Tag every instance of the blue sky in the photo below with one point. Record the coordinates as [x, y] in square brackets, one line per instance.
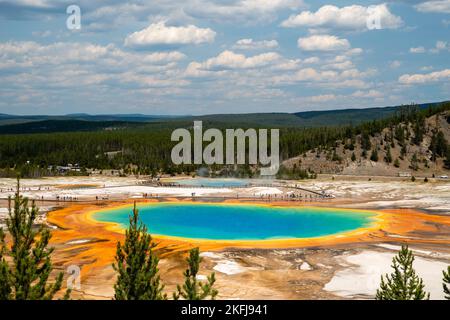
[228, 56]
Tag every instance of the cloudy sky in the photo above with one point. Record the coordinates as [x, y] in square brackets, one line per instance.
[227, 56]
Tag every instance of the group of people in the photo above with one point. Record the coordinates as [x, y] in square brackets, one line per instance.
[24, 189]
[291, 196]
[65, 198]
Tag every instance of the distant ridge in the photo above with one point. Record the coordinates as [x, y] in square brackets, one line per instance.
[274, 119]
[308, 118]
[51, 126]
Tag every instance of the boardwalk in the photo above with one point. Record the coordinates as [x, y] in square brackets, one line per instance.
[290, 192]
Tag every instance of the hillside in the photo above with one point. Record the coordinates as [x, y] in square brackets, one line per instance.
[306, 119]
[145, 148]
[416, 148]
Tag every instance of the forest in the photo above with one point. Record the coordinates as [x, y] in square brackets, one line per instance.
[147, 149]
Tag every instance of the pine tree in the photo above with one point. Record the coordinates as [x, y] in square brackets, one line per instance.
[446, 283]
[335, 157]
[447, 160]
[364, 154]
[438, 145]
[137, 264]
[397, 163]
[374, 155]
[414, 162]
[27, 274]
[5, 276]
[365, 141]
[403, 283]
[388, 157]
[419, 127]
[403, 152]
[400, 134]
[353, 157]
[193, 289]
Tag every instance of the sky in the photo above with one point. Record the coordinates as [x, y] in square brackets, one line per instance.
[167, 57]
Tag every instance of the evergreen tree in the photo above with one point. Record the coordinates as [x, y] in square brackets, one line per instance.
[414, 162]
[193, 289]
[403, 283]
[365, 141]
[438, 145]
[396, 163]
[335, 157]
[137, 264]
[400, 134]
[353, 157]
[27, 273]
[403, 152]
[419, 128]
[364, 154]
[388, 157]
[446, 283]
[5, 277]
[447, 160]
[374, 155]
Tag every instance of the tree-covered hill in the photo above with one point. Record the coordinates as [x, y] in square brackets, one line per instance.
[146, 148]
[416, 144]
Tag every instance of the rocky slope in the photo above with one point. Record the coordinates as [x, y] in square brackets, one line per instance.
[407, 157]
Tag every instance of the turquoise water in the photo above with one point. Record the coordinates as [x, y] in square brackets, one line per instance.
[209, 182]
[239, 222]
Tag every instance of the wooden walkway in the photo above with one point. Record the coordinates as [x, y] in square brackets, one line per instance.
[267, 197]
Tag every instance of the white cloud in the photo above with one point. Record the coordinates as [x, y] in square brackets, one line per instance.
[160, 34]
[425, 78]
[351, 78]
[321, 98]
[344, 65]
[77, 52]
[438, 6]
[354, 51]
[353, 17]
[31, 3]
[311, 60]
[230, 60]
[351, 83]
[323, 43]
[73, 65]
[440, 46]
[329, 72]
[242, 6]
[86, 74]
[240, 10]
[417, 50]
[250, 44]
[99, 15]
[371, 94]
[395, 64]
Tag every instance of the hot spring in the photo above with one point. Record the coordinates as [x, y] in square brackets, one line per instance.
[239, 221]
